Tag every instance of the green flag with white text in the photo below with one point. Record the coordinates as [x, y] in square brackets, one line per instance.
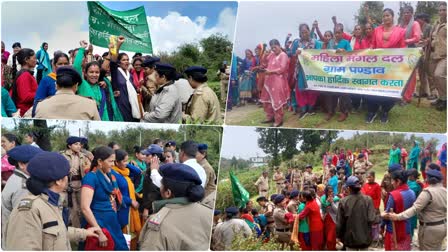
[240, 194]
[132, 24]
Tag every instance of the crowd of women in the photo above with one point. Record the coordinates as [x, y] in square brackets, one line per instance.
[342, 209]
[139, 89]
[274, 77]
[110, 199]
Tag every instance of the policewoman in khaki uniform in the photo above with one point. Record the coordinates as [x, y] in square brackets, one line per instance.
[165, 105]
[232, 228]
[38, 223]
[179, 222]
[65, 104]
[279, 180]
[282, 227]
[15, 187]
[262, 184]
[79, 163]
[430, 207]
[203, 106]
[201, 157]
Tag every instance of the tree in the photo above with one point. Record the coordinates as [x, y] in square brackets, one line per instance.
[313, 139]
[268, 141]
[279, 143]
[431, 8]
[375, 12]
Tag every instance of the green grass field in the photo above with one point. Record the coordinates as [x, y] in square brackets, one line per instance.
[409, 118]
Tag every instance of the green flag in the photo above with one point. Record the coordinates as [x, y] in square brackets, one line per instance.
[240, 195]
[132, 24]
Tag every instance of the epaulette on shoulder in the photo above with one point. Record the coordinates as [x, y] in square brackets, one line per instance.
[25, 204]
[155, 220]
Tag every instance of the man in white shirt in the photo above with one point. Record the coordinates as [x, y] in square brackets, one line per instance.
[187, 156]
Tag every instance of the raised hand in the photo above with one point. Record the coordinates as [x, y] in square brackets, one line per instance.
[83, 44]
[120, 40]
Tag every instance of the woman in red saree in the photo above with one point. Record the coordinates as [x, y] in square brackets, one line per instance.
[275, 93]
[386, 36]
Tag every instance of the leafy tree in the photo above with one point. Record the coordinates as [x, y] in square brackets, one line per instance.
[375, 12]
[429, 7]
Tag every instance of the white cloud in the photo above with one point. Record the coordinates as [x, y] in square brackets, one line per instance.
[63, 28]
[170, 32]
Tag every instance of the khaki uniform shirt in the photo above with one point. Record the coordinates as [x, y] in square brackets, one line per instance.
[278, 178]
[262, 183]
[268, 211]
[203, 107]
[209, 200]
[225, 233]
[296, 176]
[178, 227]
[79, 163]
[210, 185]
[279, 218]
[37, 225]
[438, 41]
[309, 177]
[361, 166]
[14, 191]
[66, 105]
[430, 205]
[292, 206]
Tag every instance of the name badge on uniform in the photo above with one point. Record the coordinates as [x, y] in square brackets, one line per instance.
[156, 219]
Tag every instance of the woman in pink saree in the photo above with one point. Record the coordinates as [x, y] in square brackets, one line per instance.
[385, 36]
[412, 37]
[275, 93]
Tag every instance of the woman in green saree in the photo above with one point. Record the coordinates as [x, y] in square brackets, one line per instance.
[98, 89]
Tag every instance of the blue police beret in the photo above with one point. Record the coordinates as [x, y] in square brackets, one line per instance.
[171, 143]
[279, 198]
[84, 140]
[153, 149]
[232, 210]
[202, 147]
[48, 166]
[149, 62]
[23, 153]
[217, 212]
[262, 198]
[194, 69]
[361, 155]
[431, 173]
[73, 139]
[394, 167]
[352, 181]
[180, 172]
[165, 67]
[69, 71]
[294, 194]
[273, 197]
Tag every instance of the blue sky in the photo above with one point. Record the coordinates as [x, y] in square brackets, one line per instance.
[63, 24]
[192, 10]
